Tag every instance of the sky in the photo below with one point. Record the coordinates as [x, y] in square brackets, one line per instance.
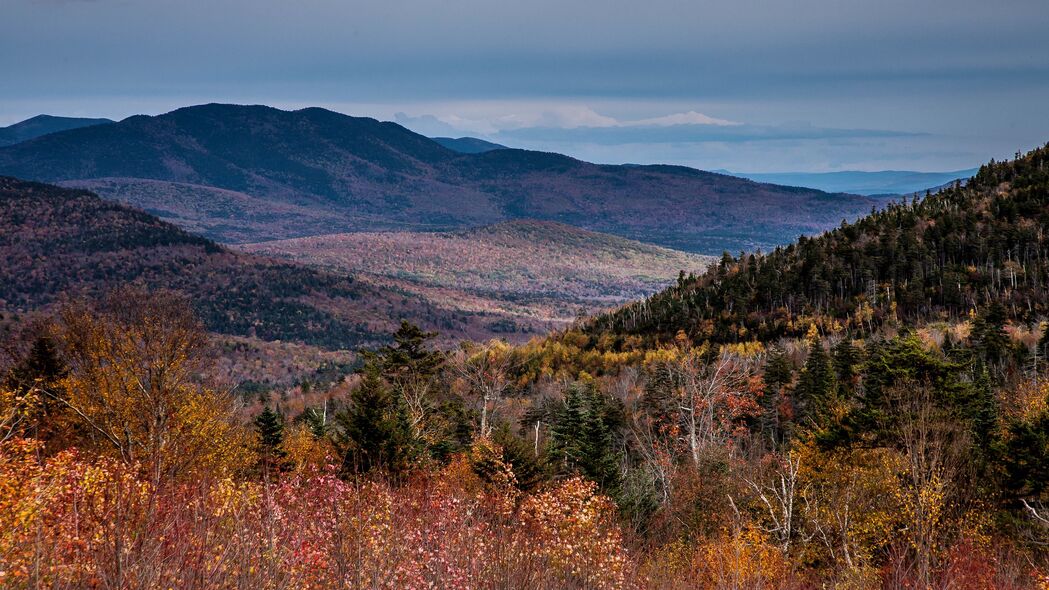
[741, 85]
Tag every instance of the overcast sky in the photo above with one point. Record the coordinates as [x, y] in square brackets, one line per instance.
[745, 85]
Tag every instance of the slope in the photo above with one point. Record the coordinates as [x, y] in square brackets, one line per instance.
[57, 243]
[527, 270]
[42, 125]
[942, 257]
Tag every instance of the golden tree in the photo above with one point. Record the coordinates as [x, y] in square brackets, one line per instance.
[133, 389]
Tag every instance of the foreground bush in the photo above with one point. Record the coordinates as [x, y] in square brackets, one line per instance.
[78, 522]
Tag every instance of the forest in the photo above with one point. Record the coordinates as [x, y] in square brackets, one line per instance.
[868, 408]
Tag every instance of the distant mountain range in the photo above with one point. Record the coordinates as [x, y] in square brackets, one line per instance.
[43, 125]
[886, 182]
[468, 145]
[251, 173]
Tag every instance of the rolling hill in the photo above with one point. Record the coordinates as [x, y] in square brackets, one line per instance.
[42, 125]
[527, 270]
[57, 243]
[955, 254]
[254, 173]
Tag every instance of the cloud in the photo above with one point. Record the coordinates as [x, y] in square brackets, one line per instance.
[689, 118]
[688, 133]
[545, 119]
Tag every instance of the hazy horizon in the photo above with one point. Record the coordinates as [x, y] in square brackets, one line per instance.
[812, 86]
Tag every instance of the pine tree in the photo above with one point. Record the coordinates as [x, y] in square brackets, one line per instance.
[269, 426]
[817, 386]
[584, 436]
[374, 432]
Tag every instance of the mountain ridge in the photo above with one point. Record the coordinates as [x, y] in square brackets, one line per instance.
[944, 257]
[359, 174]
[42, 125]
[60, 243]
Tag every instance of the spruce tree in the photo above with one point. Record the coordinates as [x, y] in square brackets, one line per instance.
[269, 426]
[374, 432]
[779, 373]
[817, 386]
[410, 356]
[584, 436]
[988, 333]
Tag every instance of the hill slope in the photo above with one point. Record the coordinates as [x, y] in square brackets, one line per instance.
[58, 242]
[313, 172]
[527, 270]
[941, 257]
[42, 125]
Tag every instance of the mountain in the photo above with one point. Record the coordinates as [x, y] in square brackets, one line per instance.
[535, 273]
[886, 182]
[966, 250]
[468, 145]
[42, 125]
[57, 243]
[254, 173]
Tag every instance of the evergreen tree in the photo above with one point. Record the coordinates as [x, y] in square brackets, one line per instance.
[42, 366]
[374, 432]
[817, 386]
[269, 426]
[42, 369]
[528, 468]
[410, 357]
[846, 365]
[583, 436]
[988, 333]
[779, 373]
[982, 408]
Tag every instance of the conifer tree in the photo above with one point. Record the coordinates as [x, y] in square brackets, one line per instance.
[817, 386]
[269, 426]
[374, 431]
[584, 435]
[779, 373]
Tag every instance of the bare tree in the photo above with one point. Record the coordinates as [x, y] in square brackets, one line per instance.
[934, 445]
[709, 396]
[779, 496]
[485, 369]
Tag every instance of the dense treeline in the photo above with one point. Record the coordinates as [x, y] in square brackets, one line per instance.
[936, 258]
[897, 461]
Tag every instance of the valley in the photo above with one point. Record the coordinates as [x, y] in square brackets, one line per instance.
[539, 275]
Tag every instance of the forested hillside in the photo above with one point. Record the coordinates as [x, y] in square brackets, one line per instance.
[538, 275]
[60, 243]
[941, 257]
